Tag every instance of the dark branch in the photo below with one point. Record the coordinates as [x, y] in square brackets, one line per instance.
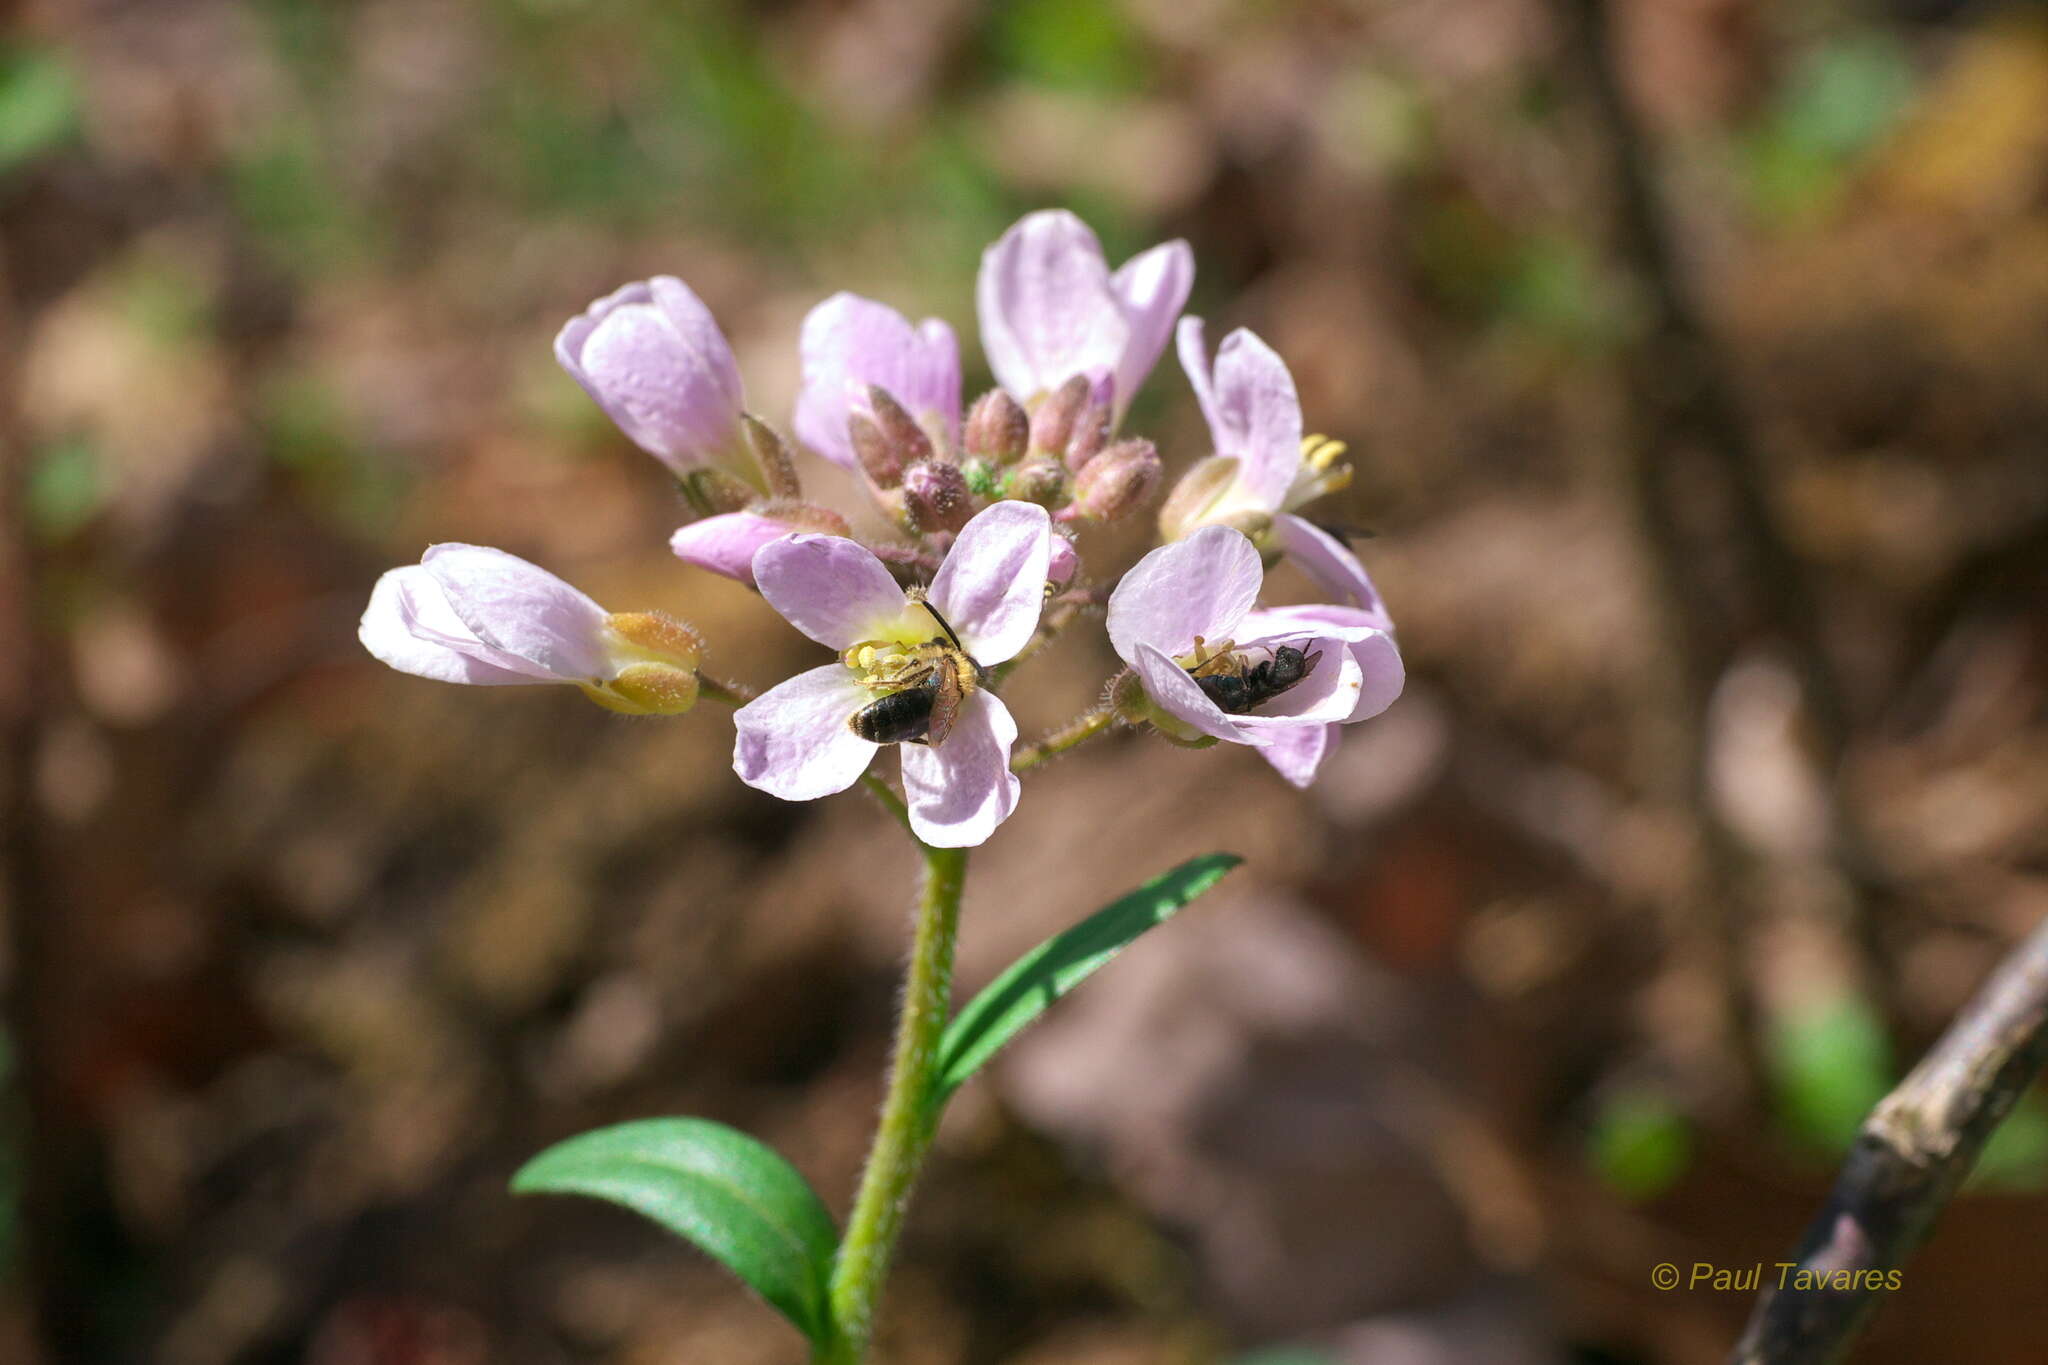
[1682, 392]
[1910, 1158]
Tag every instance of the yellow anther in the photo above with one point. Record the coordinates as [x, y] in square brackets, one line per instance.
[1320, 452]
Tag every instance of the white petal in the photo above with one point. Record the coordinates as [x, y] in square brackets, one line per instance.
[1046, 306]
[1152, 287]
[849, 343]
[1202, 585]
[796, 739]
[1297, 753]
[1257, 414]
[828, 587]
[959, 791]
[1329, 692]
[1171, 687]
[522, 609]
[1330, 562]
[1379, 661]
[1383, 674]
[992, 586]
[410, 626]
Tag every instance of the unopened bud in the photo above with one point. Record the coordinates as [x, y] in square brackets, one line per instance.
[899, 428]
[936, 498]
[803, 516]
[878, 459]
[1090, 435]
[1052, 426]
[1065, 563]
[1199, 490]
[1038, 480]
[712, 491]
[1118, 481]
[998, 430]
[771, 453]
[727, 544]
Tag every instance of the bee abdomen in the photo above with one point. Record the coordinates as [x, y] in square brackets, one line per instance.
[895, 719]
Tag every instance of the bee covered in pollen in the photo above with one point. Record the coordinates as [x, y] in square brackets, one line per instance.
[1237, 685]
[923, 685]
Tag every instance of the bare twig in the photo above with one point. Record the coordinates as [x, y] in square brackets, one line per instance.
[1667, 373]
[1910, 1158]
[49, 1146]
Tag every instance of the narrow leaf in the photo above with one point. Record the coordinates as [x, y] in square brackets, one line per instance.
[732, 1196]
[1059, 964]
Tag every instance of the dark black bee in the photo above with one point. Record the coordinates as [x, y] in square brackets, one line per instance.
[931, 681]
[1237, 686]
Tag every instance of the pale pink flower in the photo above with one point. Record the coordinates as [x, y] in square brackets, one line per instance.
[796, 740]
[727, 542]
[1050, 308]
[1254, 415]
[653, 357]
[472, 614]
[1185, 602]
[850, 343]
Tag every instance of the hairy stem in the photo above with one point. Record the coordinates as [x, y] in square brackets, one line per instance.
[731, 693]
[905, 1134]
[1060, 613]
[886, 794]
[1079, 730]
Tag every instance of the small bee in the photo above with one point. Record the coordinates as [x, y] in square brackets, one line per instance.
[924, 690]
[1237, 685]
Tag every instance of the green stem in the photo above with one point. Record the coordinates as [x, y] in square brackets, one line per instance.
[905, 1134]
[731, 693]
[891, 802]
[1076, 731]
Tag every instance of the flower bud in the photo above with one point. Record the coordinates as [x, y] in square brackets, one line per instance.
[655, 361]
[725, 544]
[877, 459]
[1090, 435]
[936, 497]
[1038, 480]
[1052, 426]
[998, 430]
[909, 440]
[712, 492]
[1199, 490]
[1117, 481]
[1065, 564]
[771, 454]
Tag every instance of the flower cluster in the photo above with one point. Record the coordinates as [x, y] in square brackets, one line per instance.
[969, 557]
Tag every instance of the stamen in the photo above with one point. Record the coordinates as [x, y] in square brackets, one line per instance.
[1320, 452]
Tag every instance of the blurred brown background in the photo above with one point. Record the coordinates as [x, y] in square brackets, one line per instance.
[1702, 434]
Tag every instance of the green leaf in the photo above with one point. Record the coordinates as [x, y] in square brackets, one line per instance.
[1059, 964]
[732, 1196]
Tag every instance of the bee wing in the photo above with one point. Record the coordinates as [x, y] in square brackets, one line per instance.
[946, 699]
